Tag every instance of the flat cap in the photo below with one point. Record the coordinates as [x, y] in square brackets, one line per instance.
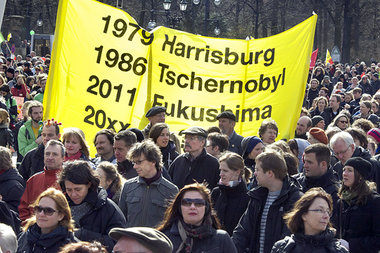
[226, 115]
[196, 130]
[150, 238]
[155, 110]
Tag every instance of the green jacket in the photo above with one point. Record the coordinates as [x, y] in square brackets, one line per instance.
[26, 139]
[39, 97]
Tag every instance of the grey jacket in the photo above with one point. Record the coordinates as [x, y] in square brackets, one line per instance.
[143, 205]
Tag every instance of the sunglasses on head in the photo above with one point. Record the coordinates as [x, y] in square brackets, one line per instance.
[196, 202]
[47, 210]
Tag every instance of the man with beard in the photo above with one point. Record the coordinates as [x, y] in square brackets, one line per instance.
[104, 147]
[29, 134]
[303, 126]
[196, 163]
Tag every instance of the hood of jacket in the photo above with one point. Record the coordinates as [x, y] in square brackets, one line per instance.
[11, 174]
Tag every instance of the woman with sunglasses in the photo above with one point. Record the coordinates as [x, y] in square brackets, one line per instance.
[309, 222]
[356, 218]
[51, 227]
[94, 214]
[191, 223]
[342, 121]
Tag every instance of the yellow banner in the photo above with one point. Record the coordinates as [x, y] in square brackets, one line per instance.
[106, 72]
[197, 77]
[98, 73]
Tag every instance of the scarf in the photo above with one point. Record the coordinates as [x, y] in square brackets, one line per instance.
[188, 233]
[77, 156]
[349, 196]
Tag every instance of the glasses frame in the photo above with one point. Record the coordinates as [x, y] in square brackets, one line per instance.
[321, 211]
[197, 202]
[48, 211]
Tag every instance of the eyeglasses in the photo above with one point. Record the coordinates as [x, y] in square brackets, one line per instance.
[138, 162]
[343, 121]
[321, 211]
[197, 202]
[47, 210]
[342, 152]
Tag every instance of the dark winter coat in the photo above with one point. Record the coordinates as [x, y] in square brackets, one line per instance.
[311, 95]
[230, 203]
[235, 143]
[329, 182]
[12, 187]
[183, 171]
[33, 162]
[125, 168]
[6, 136]
[300, 243]
[218, 242]
[33, 241]
[359, 225]
[246, 235]
[169, 154]
[103, 216]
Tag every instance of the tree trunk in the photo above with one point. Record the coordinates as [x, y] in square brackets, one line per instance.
[274, 18]
[347, 25]
[356, 28]
[325, 28]
[338, 24]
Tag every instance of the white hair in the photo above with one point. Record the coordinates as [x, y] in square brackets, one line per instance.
[8, 239]
[343, 136]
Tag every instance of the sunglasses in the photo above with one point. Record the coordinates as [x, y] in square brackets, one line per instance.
[47, 210]
[197, 202]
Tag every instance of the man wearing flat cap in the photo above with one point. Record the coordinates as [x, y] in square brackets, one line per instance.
[155, 115]
[140, 239]
[196, 163]
[227, 121]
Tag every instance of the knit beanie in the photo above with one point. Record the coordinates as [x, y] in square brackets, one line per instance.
[249, 143]
[319, 135]
[316, 119]
[363, 167]
[375, 133]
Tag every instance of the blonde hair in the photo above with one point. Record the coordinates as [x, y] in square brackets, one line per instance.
[78, 133]
[4, 117]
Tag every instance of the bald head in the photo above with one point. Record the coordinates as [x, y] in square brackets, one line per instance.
[303, 125]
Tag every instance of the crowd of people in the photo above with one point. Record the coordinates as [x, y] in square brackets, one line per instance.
[218, 192]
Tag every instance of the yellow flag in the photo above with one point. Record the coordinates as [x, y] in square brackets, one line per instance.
[106, 72]
[9, 37]
[328, 58]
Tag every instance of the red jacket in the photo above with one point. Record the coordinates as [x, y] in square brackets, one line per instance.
[20, 92]
[34, 187]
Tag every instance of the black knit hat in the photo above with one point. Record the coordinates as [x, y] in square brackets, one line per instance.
[316, 119]
[363, 167]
